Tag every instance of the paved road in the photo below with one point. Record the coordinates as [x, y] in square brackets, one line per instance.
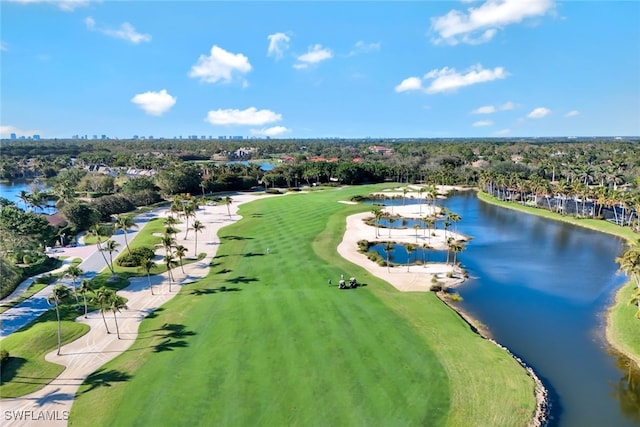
[93, 263]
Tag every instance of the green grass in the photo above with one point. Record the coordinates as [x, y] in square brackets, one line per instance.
[623, 328]
[27, 371]
[280, 347]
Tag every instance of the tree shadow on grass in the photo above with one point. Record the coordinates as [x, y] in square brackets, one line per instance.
[202, 292]
[251, 254]
[224, 271]
[236, 238]
[105, 378]
[241, 279]
[10, 368]
[173, 338]
[154, 313]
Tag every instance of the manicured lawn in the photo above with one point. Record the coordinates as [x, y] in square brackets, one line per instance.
[623, 328]
[26, 370]
[279, 346]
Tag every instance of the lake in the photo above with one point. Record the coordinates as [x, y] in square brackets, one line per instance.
[11, 191]
[542, 287]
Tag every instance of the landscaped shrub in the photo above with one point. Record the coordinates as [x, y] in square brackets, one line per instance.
[273, 191]
[45, 279]
[436, 287]
[363, 245]
[135, 258]
[4, 356]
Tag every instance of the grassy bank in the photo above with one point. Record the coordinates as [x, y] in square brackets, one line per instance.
[26, 370]
[263, 340]
[623, 328]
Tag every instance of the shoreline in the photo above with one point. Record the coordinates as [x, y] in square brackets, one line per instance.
[608, 333]
[407, 281]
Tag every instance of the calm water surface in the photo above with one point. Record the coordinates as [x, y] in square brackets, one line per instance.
[11, 190]
[542, 287]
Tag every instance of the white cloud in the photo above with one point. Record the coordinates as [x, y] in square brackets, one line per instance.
[503, 132]
[66, 5]
[490, 109]
[507, 106]
[278, 44]
[249, 117]
[272, 131]
[219, 65]
[363, 47]
[481, 123]
[4, 47]
[487, 109]
[448, 80]
[480, 24]
[6, 131]
[314, 55]
[572, 113]
[410, 83]
[539, 113]
[154, 103]
[125, 32]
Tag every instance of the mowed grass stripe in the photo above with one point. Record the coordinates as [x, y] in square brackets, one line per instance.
[286, 349]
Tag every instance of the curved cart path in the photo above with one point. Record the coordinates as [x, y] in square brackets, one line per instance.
[50, 406]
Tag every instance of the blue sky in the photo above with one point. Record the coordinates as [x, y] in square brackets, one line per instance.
[320, 69]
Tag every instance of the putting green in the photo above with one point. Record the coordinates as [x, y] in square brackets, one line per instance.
[280, 347]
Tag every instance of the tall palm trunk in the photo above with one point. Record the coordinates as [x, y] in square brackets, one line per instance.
[115, 319]
[59, 330]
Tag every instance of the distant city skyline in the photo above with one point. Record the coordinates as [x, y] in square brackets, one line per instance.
[464, 69]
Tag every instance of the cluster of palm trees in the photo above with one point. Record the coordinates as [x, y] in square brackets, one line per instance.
[589, 198]
[450, 218]
[107, 299]
[629, 263]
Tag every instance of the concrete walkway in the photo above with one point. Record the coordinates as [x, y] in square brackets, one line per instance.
[93, 262]
[51, 405]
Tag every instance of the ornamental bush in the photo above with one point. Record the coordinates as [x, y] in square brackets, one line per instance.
[135, 258]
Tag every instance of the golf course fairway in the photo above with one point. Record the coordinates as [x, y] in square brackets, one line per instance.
[263, 340]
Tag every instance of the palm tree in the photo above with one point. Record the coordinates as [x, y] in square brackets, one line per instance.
[388, 247]
[416, 227]
[103, 297]
[429, 223]
[420, 191]
[227, 201]
[180, 252]
[169, 262]
[169, 222]
[146, 265]
[167, 242]
[377, 216]
[197, 227]
[111, 246]
[96, 231]
[117, 303]
[456, 248]
[60, 292]
[455, 218]
[425, 248]
[74, 272]
[125, 223]
[85, 286]
[187, 212]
